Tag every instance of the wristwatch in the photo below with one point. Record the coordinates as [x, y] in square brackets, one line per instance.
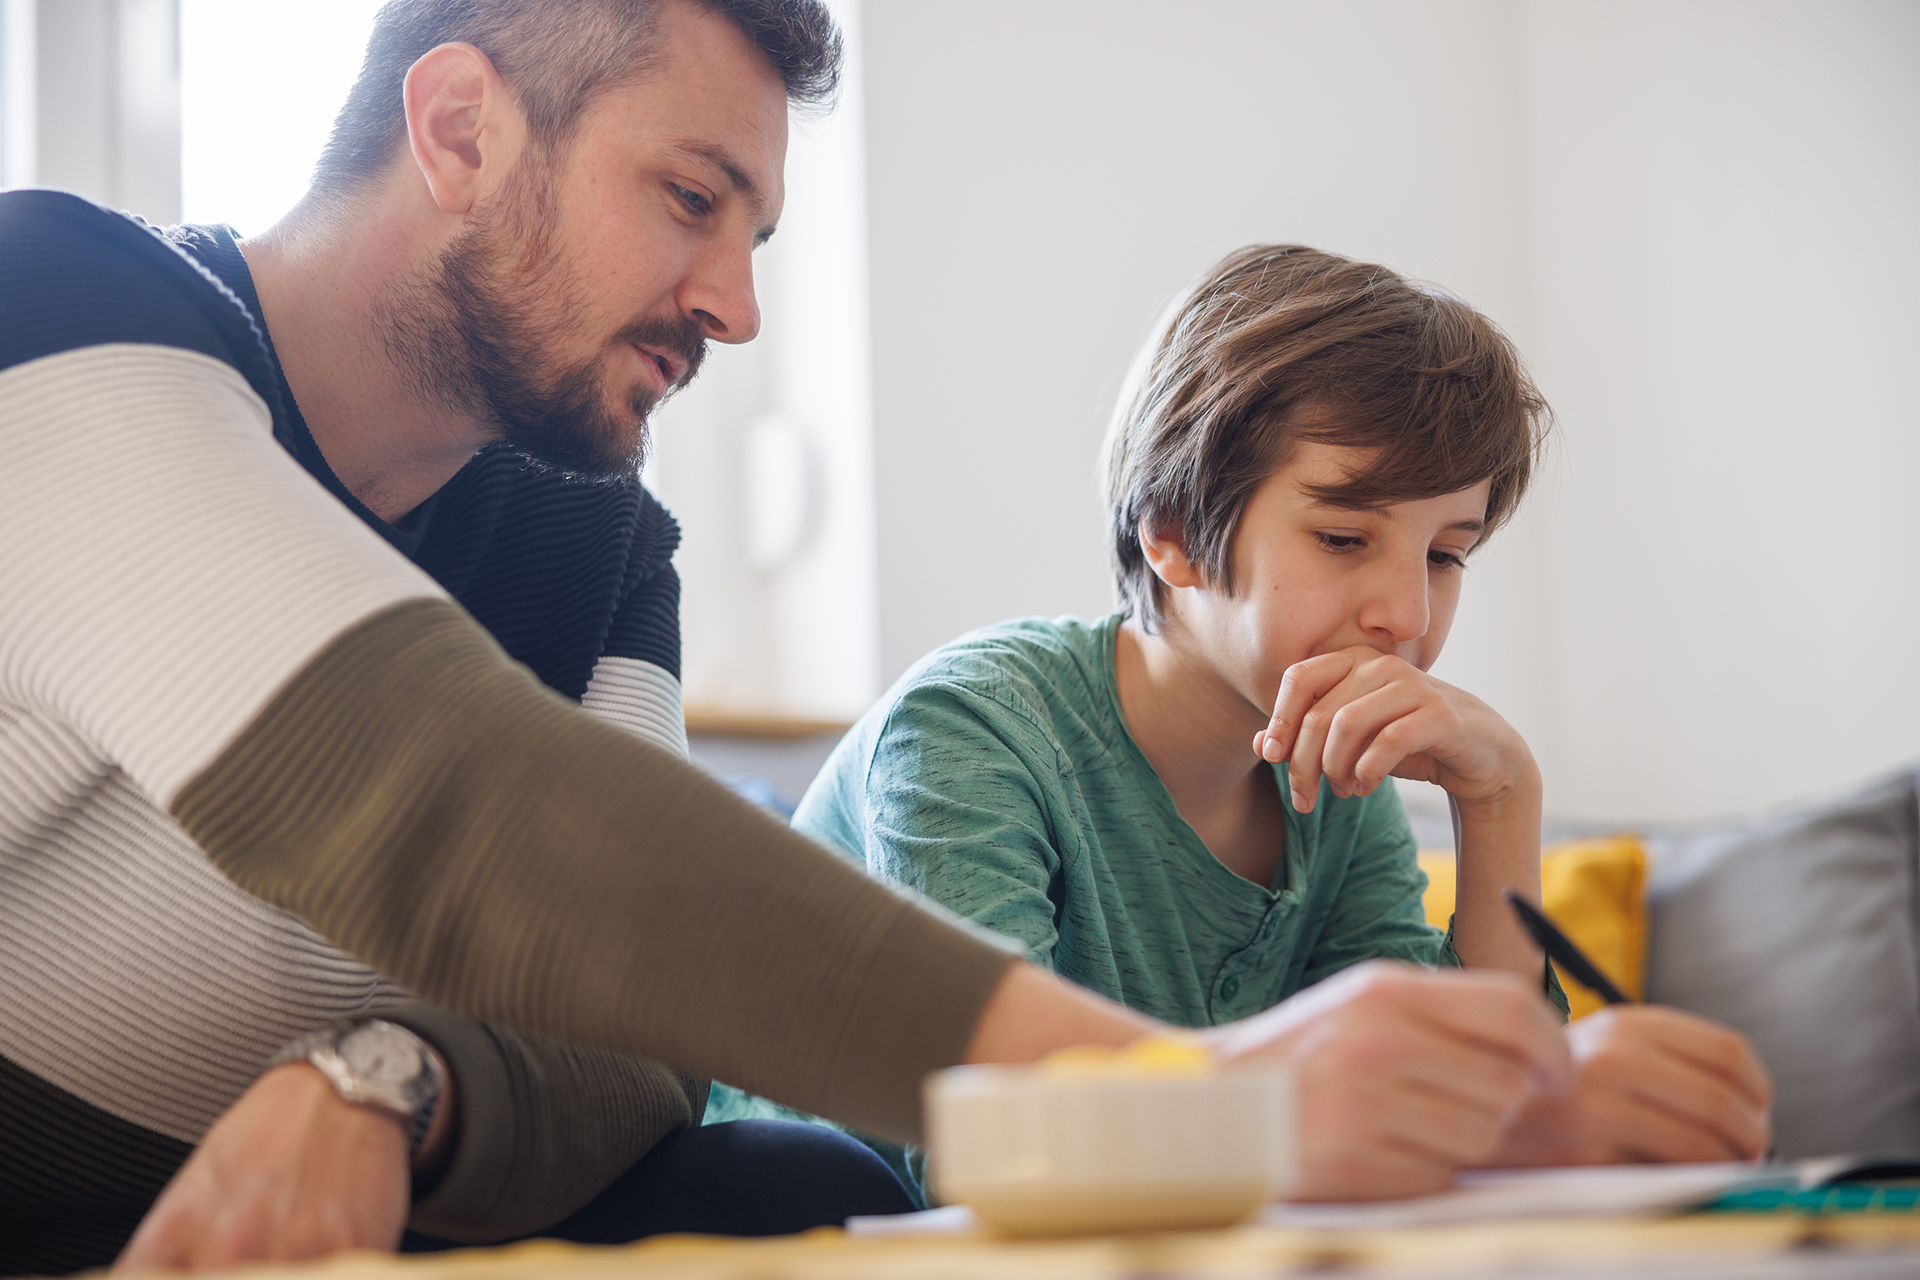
[377, 1064]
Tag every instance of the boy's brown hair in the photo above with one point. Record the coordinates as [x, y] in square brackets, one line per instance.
[1282, 343]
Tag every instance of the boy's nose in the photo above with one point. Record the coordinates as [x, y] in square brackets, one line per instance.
[1397, 608]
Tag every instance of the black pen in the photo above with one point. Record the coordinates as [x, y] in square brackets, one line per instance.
[1561, 951]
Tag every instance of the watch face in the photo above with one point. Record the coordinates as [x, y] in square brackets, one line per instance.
[382, 1056]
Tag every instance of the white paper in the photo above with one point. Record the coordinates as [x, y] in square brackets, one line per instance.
[950, 1220]
[1486, 1195]
[1491, 1195]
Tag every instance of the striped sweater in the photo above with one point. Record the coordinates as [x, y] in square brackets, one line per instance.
[255, 753]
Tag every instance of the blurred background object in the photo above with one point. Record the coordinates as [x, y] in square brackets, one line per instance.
[1695, 216]
[91, 96]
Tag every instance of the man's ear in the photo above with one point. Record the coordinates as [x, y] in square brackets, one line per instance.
[1167, 556]
[458, 113]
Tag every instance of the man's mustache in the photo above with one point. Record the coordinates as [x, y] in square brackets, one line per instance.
[681, 335]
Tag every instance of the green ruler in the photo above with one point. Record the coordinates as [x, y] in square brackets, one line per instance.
[1847, 1197]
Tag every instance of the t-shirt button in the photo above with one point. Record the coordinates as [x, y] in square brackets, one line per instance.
[1230, 987]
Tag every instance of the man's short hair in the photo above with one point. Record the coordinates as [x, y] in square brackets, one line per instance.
[558, 56]
[1282, 343]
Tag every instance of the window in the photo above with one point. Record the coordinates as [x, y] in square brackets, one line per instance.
[252, 125]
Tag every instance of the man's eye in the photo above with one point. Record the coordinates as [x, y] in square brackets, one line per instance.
[1339, 541]
[695, 202]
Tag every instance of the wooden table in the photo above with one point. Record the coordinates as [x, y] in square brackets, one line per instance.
[1696, 1245]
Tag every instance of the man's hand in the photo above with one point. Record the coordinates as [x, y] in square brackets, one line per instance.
[1358, 715]
[1405, 1076]
[289, 1172]
[1650, 1084]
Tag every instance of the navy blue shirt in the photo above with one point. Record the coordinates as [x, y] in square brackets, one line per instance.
[562, 571]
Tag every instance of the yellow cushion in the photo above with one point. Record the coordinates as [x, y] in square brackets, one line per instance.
[1595, 890]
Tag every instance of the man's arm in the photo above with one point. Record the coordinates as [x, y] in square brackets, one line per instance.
[537, 1126]
[349, 746]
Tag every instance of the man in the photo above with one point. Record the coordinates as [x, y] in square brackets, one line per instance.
[230, 705]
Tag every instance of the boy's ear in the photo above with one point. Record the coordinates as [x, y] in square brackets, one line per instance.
[1166, 555]
[458, 116]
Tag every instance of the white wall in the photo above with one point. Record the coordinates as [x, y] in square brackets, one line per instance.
[253, 120]
[1727, 197]
[17, 89]
[1696, 218]
[1044, 177]
[92, 100]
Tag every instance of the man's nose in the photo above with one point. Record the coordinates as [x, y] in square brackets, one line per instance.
[718, 296]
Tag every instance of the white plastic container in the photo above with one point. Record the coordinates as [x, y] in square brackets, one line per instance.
[1035, 1152]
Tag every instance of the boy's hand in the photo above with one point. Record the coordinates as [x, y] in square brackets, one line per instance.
[1359, 715]
[1405, 1076]
[1650, 1084]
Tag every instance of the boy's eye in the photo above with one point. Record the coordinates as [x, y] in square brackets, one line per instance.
[695, 202]
[1445, 560]
[1339, 541]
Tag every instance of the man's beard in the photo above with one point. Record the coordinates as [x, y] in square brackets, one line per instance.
[477, 327]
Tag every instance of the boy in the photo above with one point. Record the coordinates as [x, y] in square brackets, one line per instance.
[1310, 450]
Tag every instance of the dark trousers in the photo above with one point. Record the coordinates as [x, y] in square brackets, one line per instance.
[742, 1178]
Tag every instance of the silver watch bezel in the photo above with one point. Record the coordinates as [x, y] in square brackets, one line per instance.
[411, 1102]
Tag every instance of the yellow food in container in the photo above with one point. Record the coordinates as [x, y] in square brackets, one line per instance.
[1152, 1136]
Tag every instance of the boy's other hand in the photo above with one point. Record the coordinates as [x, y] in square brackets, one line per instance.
[1650, 1084]
[1358, 715]
[1405, 1076]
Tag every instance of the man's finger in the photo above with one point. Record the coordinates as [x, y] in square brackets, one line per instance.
[1436, 1127]
[169, 1235]
[1498, 1012]
[241, 1232]
[1335, 1167]
[1503, 1013]
[155, 1246]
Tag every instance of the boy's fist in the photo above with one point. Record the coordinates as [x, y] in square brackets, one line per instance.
[1359, 715]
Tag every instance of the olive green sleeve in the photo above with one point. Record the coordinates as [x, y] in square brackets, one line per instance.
[543, 1126]
[429, 807]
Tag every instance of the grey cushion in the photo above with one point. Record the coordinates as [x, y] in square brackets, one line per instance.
[1800, 930]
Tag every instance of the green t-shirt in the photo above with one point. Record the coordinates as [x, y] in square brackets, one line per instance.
[998, 778]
